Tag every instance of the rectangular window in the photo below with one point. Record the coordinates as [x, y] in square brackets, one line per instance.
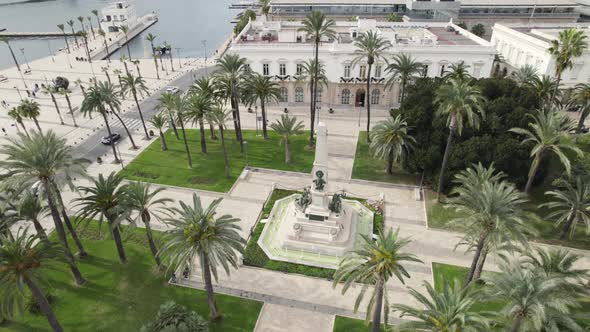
[347, 71]
[477, 70]
[425, 71]
[363, 71]
[265, 70]
[282, 69]
[299, 69]
[442, 70]
[377, 71]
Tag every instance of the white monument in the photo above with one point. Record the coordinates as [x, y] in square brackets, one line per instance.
[315, 228]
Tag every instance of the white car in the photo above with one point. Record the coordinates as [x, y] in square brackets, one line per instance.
[172, 89]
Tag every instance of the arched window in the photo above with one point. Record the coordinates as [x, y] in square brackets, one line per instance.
[284, 95]
[299, 95]
[375, 95]
[345, 97]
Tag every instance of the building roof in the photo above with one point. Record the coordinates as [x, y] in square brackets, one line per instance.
[403, 2]
[498, 3]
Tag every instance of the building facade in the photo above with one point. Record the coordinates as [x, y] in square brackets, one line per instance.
[278, 50]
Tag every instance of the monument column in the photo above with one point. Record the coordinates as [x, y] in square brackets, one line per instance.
[319, 196]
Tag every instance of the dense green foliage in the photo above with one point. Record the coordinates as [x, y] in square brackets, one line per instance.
[174, 317]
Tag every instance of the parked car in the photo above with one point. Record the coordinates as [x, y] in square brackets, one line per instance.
[172, 89]
[109, 140]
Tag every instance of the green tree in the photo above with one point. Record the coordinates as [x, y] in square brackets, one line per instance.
[285, 127]
[264, 7]
[30, 208]
[112, 95]
[318, 27]
[403, 69]
[167, 103]
[41, 159]
[569, 206]
[174, 317]
[545, 87]
[581, 97]
[168, 48]
[525, 75]
[369, 47]
[181, 113]
[15, 114]
[259, 88]
[308, 73]
[71, 24]
[478, 30]
[448, 310]
[131, 85]
[198, 105]
[374, 263]
[141, 198]
[393, 17]
[150, 37]
[22, 264]
[549, 133]
[391, 141]
[81, 20]
[105, 198]
[206, 86]
[61, 27]
[570, 44]
[66, 94]
[49, 90]
[95, 13]
[159, 122]
[198, 233]
[459, 102]
[30, 109]
[106, 44]
[558, 263]
[88, 18]
[6, 41]
[125, 30]
[458, 72]
[220, 118]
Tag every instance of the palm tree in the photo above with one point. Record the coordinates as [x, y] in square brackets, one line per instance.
[150, 37]
[317, 26]
[168, 48]
[124, 59]
[558, 263]
[549, 133]
[259, 88]
[458, 72]
[111, 94]
[81, 19]
[205, 86]
[125, 30]
[41, 159]
[582, 98]
[6, 41]
[106, 199]
[142, 199]
[131, 85]
[95, 13]
[88, 18]
[30, 208]
[459, 102]
[570, 206]
[374, 263]
[181, 106]
[490, 212]
[167, 103]
[403, 69]
[308, 74]
[198, 106]
[545, 88]
[106, 45]
[84, 36]
[71, 24]
[370, 47]
[136, 62]
[198, 233]
[285, 127]
[264, 7]
[49, 90]
[570, 44]
[391, 141]
[22, 262]
[15, 114]
[498, 60]
[30, 109]
[448, 310]
[61, 27]
[220, 118]
[525, 75]
[66, 95]
[96, 101]
[159, 122]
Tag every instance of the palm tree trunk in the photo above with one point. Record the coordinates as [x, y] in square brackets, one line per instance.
[212, 132]
[118, 242]
[213, 313]
[147, 136]
[368, 101]
[75, 37]
[124, 127]
[81, 251]
[127, 44]
[71, 110]
[188, 153]
[225, 161]
[390, 162]
[480, 264]
[172, 122]
[287, 151]
[403, 90]
[126, 69]
[152, 244]
[156, 64]
[263, 110]
[108, 77]
[106, 46]
[37, 124]
[516, 323]
[478, 250]
[533, 172]
[40, 230]
[202, 132]
[241, 140]
[137, 68]
[24, 128]
[163, 141]
[567, 225]
[445, 159]
[13, 57]
[171, 63]
[67, 44]
[314, 86]
[557, 83]
[43, 305]
[61, 233]
[106, 122]
[56, 107]
[376, 324]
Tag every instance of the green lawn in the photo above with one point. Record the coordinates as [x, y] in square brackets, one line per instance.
[171, 167]
[345, 324]
[125, 297]
[367, 167]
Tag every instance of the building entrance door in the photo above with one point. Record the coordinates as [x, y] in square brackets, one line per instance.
[360, 98]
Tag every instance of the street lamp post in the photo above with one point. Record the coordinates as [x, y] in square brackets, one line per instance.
[50, 52]
[19, 95]
[22, 50]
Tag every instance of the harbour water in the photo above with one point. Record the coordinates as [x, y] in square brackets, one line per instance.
[184, 24]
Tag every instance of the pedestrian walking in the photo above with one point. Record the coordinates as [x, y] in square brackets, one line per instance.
[4, 131]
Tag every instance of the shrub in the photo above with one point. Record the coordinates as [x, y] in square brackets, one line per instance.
[174, 317]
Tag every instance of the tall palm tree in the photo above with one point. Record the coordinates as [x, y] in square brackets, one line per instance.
[525, 75]
[570, 206]
[124, 59]
[370, 47]
[459, 102]
[84, 36]
[167, 103]
[81, 20]
[30, 109]
[391, 141]
[205, 86]
[106, 199]
[545, 87]
[458, 72]
[71, 24]
[6, 41]
[259, 88]
[549, 133]
[220, 118]
[22, 263]
[181, 107]
[30, 208]
[375, 262]
[159, 122]
[111, 94]
[169, 50]
[198, 233]
[15, 114]
[317, 27]
[88, 18]
[142, 199]
[451, 309]
[49, 90]
[558, 263]
[198, 105]
[61, 27]
[39, 160]
[491, 210]
[285, 127]
[308, 74]
[106, 45]
[125, 30]
[96, 101]
[264, 7]
[582, 98]
[131, 85]
[136, 62]
[403, 69]
[150, 37]
[570, 44]
[95, 13]
[67, 96]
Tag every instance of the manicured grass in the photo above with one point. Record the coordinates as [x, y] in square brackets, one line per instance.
[438, 215]
[125, 297]
[367, 167]
[171, 167]
[345, 324]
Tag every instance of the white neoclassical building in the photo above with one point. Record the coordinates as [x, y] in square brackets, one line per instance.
[529, 44]
[277, 49]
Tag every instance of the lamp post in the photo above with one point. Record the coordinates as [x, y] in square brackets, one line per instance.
[50, 52]
[18, 91]
[22, 50]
